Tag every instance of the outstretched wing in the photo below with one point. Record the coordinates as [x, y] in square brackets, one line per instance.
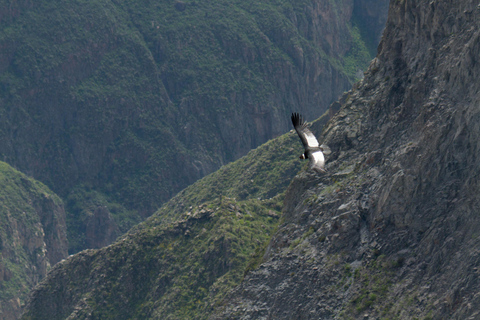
[308, 138]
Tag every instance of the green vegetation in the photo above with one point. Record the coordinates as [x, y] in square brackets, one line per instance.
[21, 233]
[82, 201]
[178, 270]
[133, 101]
[213, 256]
[180, 263]
[358, 57]
[371, 285]
[123, 104]
[263, 174]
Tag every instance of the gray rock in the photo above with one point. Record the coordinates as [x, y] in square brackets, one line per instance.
[400, 232]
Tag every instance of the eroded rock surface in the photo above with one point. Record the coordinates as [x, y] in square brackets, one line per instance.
[393, 230]
[32, 237]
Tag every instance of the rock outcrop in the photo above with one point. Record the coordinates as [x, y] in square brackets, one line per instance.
[32, 237]
[393, 230]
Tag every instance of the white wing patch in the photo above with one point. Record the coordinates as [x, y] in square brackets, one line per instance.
[311, 140]
[318, 160]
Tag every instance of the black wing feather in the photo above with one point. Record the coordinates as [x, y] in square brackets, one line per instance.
[303, 132]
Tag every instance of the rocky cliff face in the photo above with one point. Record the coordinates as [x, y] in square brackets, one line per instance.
[136, 101]
[32, 237]
[393, 230]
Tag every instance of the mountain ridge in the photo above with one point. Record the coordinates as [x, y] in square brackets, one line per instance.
[117, 106]
[226, 231]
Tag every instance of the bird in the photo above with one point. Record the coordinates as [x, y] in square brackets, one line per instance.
[314, 152]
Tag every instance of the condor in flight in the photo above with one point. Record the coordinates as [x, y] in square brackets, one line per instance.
[313, 151]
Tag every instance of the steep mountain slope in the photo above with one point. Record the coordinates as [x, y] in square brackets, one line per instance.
[393, 232]
[32, 237]
[180, 262]
[118, 105]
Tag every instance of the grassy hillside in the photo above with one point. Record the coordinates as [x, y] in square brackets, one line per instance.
[180, 262]
[173, 271]
[261, 175]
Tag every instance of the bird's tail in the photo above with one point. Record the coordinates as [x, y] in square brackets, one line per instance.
[325, 149]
